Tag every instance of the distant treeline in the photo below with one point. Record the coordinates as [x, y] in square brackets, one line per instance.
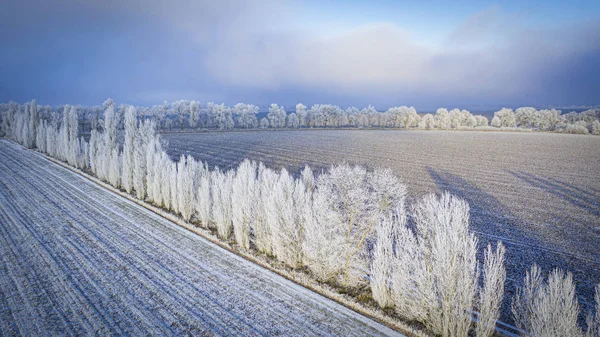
[185, 114]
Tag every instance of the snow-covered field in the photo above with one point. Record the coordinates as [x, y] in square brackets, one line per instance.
[76, 259]
[537, 192]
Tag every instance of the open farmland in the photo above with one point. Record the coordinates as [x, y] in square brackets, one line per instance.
[537, 192]
[76, 259]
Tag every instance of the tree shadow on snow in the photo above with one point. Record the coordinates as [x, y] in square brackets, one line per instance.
[581, 198]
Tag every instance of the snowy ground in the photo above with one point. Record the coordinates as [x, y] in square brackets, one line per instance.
[537, 192]
[76, 259]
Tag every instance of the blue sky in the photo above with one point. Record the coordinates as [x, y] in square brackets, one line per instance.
[467, 54]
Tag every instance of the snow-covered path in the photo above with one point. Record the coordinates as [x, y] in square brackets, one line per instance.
[76, 259]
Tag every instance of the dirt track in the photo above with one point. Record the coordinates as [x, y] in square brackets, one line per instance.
[76, 259]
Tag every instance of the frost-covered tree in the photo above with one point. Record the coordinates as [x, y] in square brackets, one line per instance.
[203, 197]
[165, 179]
[451, 256]
[243, 196]
[470, 121]
[129, 148]
[333, 115]
[308, 178]
[324, 239]
[182, 108]
[427, 122]
[526, 117]
[402, 117]
[579, 127]
[162, 115]
[220, 115]
[114, 168]
[435, 279]
[70, 131]
[146, 173]
[590, 115]
[490, 295]
[496, 122]
[265, 211]
[194, 113]
[293, 121]
[442, 119]
[301, 113]
[22, 125]
[162, 170]
[276, 116]
[292, 203]
[371, 115]
[109, 143]
[283, 208]
[173, 187]
[282, 116]
[95, 150]
[8, 119]
[353, 117]
[593, 321]
[52, 137]
[596, 128]
[481, 120]
[62, 136]
[187, 169]
[180, 176]
[549, 119]
[221, 207]
[155, 172]
[389, 197]
[412, 283]
[83, 160]
[347, 191]
[388, 193]
[313, 117]
[383, 258]
[145, 144]
[264, 123]
[33, 123]
[40, 136]
[507, 118]
[547, 308]
[95, 114]
[456, 118]
[245, 115]
[344, 119]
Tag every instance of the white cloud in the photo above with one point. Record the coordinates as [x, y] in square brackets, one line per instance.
[264, 46]
[384, 58]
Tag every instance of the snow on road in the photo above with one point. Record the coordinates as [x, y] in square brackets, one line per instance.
[76, 259]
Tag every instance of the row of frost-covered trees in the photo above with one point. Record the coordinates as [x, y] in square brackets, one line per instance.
[348, 227]
[192, 115]
[548, 120]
